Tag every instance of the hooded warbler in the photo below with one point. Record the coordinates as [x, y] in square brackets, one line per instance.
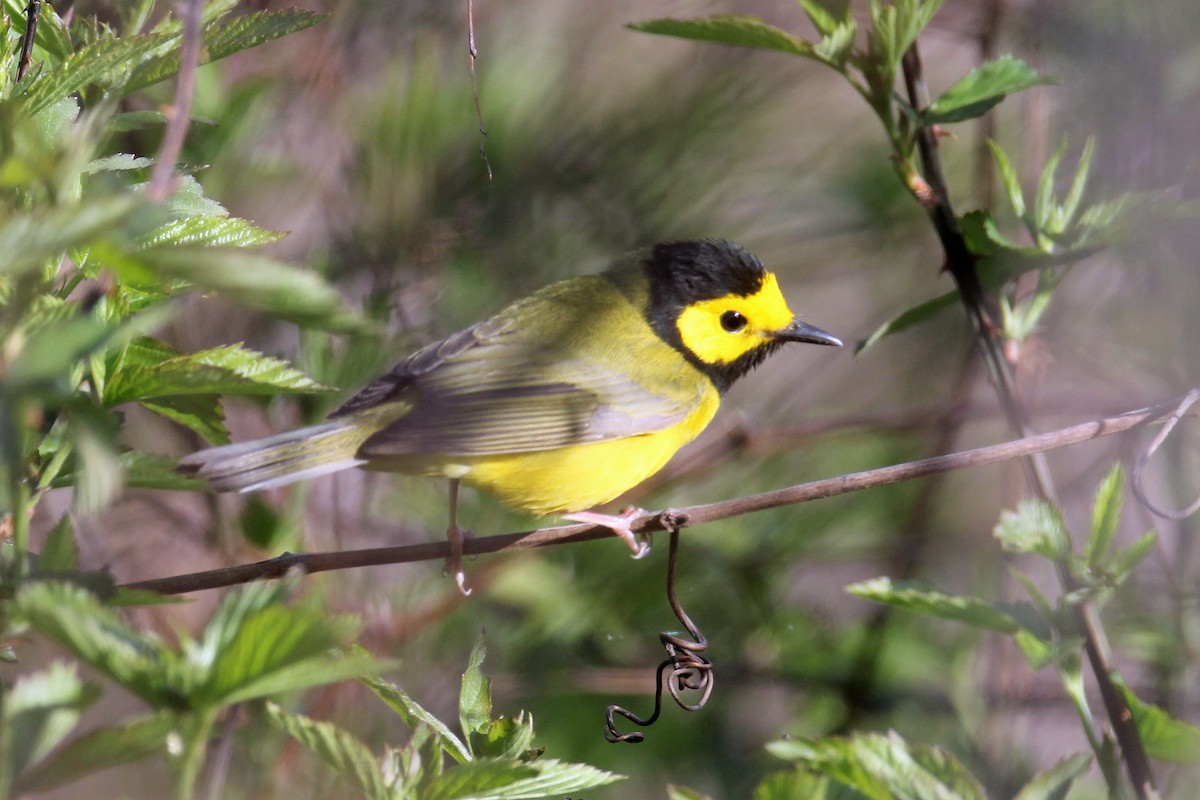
[560, 402]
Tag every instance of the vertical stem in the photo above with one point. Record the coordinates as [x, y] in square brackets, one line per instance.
[961, 265]
[192, 758]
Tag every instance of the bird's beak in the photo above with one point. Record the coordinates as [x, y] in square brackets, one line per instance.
[803, 332]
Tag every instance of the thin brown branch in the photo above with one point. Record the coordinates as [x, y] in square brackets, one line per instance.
[961, 265]
[162, 179]
[474, 53]
[689, 516]
[32, 14]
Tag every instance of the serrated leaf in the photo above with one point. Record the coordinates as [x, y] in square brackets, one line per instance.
[32, 238]
[100, 749]
[211, 232]
[1054, 783]
[475, 697]
[827, 15]
[39, 711]
[495, 779]
[981, 89]
[224, 37]
[739, 31]
[118, 162]
[104, 61]
[1165, 738]
[836, 47]
[1106, 515]
[1035, 527]
[913, 316]
[884, 767]
[72, 617]
[924, 599]
[251, 280]
[226, 370]
[337, 747]
[414, 715]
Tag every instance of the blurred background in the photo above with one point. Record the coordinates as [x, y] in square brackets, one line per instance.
[359, 137]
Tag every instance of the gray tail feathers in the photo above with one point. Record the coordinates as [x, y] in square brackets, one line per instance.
[282, 459]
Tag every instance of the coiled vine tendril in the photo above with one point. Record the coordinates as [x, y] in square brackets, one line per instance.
[686, 669]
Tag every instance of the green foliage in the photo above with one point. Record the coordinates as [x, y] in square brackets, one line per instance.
[493, 760]
[981, 89]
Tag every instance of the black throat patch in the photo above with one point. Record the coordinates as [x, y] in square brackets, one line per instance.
[682, 273]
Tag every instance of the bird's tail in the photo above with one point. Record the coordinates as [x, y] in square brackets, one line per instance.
[282, 459]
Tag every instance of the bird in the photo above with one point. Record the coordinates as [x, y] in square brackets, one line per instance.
[558, 403]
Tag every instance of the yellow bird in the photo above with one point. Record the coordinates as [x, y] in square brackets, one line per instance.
[560, 402]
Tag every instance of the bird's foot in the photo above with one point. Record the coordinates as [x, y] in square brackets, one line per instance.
[454, 563]
[638, 543]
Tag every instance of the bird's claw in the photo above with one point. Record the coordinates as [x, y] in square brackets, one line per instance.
[454, 563]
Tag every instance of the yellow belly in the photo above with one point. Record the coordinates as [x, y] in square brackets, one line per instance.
[576, 478]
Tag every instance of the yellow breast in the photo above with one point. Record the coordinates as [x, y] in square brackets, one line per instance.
[583, 476]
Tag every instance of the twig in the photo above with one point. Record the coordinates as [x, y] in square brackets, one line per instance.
[961, 265]
[475, 88]
[32, 14]
[162, 179]
[690, 516]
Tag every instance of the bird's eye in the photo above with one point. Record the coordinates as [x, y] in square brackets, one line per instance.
[733, 321]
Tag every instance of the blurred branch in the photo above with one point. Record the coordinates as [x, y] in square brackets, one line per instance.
[689, 516]
[163, 176]
[960, 263]
[475, 86]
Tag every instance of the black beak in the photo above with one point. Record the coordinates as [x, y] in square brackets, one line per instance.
[802, 332]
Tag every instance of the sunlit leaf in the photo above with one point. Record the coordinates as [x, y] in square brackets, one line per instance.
[735, 30]
[337, 747]
[102, 62]
[924, 599]
[827, 15]
[981, 88]
[224, 37]
[1010, 179]
[413, 715]
[197, 412]
[39, 711]
[1035, 527]
[212, 232]
[1106, 515]
[489, 779]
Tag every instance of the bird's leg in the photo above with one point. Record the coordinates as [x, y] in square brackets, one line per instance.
[639, 544]
[455, 535]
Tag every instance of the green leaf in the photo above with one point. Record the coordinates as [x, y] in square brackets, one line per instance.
[51, 34]
[1054, 783]
[32, 238]
[913, 316]
[496, 779]
[896, 25]
[414, 715]
[61, 553]
[339, 748]
[687, 793]
[118, 162]
[835, 49]
[210, 231]
[154, 471]
[981, 89]
[1106, 515]
[883, 767]
[1010, 179]
[1165, 738]
[1043, 203]
[224, 37]
[475, 697]
[740, 31]
[199, 413]
[1071, 204]
[39, 711]
[95, 635]
[102, 62]
[101, 749]
[226, 370]
[924, 599]
[827, 15]
[1035, 527]
[1124, 561]
[984, 238]
[250, 279]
